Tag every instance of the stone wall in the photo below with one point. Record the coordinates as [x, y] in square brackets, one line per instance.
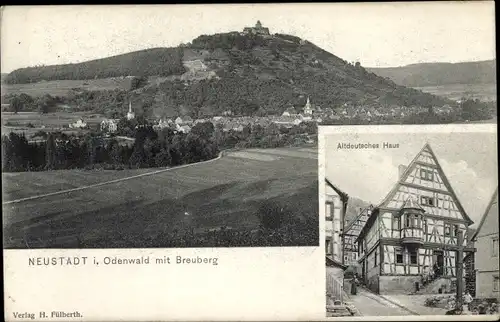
[373, 283]
[397, 284]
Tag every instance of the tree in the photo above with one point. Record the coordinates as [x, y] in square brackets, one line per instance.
[50, 152]
[204, 130]
[115, 153]
[16, 105]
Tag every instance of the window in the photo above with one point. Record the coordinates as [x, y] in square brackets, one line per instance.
[414, 221]
[495, 283]
[354, 256]
[413, 257]
[426, 174]
[396, 223]
[407, 223]
[427, 201]
[456, 229]
[329, 211]
[328, 243]
[447, 230]
[399, 256]
[375, 260]
[494, 249]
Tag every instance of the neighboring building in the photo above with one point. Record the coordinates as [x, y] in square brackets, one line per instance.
[80, 124]
[289, 112]
[183, 120]
[350, 235]
[162, 123]
[287, 121]
[108, 126]
[257, 30]
[130, 114]
[183, 128]
[335, 207]
[414, 230]
[486, 259]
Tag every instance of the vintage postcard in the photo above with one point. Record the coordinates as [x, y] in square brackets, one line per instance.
[411, 220]
[161, 162]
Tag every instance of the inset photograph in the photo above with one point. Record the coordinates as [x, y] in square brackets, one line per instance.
[411, 220]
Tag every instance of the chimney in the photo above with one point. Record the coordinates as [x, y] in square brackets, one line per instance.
[402, 169]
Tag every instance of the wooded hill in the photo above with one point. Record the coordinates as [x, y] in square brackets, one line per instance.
[436, 74]
[249, 74]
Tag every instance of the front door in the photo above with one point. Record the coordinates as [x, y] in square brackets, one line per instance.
[439, 269]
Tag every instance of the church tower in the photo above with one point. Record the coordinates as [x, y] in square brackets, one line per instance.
[307, 108]
[130, 114]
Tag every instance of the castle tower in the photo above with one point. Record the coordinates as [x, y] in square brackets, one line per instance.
[258, 24]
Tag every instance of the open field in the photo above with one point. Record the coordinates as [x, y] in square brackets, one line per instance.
[225, 192]
[64, 87]
[484, 92]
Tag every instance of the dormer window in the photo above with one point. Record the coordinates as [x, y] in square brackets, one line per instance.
[426, 174]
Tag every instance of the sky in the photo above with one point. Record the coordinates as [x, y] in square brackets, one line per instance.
[375, 34]
[468, 161]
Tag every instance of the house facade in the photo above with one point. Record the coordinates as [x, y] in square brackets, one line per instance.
[412, 234]
[335, 207]
[351, 234]
[486, 259]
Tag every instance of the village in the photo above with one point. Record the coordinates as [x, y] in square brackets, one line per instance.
[292, 116]
[415, 253]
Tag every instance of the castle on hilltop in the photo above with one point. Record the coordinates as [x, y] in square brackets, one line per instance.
[257, 30]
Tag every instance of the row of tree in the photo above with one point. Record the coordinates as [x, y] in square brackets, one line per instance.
[151, 148]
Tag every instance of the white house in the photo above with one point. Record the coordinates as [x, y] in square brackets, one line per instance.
[80, 124]
[181, 120]
[108, 126]
[486, 261]
[183, 128]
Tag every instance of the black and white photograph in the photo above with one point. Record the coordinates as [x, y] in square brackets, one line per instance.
[157, 158]
[412, 220]
[164, 127]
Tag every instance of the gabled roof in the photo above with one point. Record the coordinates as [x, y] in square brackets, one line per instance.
[402, 179]
[410, 203]
[344, 196]
[493, 200]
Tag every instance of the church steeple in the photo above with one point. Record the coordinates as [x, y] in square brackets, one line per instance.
[130, 114]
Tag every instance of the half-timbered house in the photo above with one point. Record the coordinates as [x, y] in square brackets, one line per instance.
[351, 233]
[410, 239]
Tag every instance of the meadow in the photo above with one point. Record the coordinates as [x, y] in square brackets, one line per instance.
[32, 122]
[484, 92]
[64, 87]
[223, 193]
